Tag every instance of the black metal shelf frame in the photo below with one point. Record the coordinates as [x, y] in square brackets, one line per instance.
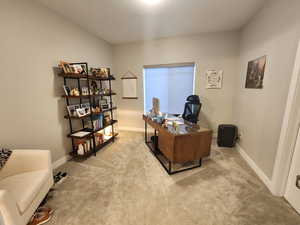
[90, 78]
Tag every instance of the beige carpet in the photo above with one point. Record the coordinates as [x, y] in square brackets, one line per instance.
[125, 185]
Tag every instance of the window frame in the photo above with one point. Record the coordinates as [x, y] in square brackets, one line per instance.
[167, 66]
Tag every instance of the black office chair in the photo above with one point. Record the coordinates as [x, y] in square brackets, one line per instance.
[192, 109]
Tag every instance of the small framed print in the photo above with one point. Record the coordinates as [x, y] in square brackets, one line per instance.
[103, 103]
[79, 68]
[72, 110]
[214, 79]
[81, 112]
[86, 107]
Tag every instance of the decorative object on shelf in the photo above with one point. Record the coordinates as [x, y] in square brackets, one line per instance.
[95, 71]
[84, 146]
[75, 92]
[96, 109]
[104, 72]
[67, 90]
[108, 132]
[94, 88]
[99, 138]
[214, 79]
[129, 84]
[106, 91]
[85, 91]
[80, 150]
[89, 113]
[255, 73]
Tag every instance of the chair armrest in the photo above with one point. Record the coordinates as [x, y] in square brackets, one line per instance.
[22, 161]
[8, 209]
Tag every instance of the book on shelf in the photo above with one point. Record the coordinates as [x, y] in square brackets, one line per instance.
[98, 121]
[80, 134]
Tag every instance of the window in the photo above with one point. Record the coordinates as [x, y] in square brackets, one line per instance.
[170, 84]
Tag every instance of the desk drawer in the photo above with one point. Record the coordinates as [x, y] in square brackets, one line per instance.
[166, 143]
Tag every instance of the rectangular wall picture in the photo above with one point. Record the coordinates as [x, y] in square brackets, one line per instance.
[214, 79]
[255, 73]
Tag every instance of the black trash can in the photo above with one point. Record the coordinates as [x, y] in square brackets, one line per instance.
[227, 135]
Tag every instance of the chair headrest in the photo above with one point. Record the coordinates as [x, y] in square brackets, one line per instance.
[194, 99]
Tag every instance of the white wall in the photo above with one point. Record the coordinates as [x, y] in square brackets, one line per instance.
[275, 32]
[33, 40]
[208, 51]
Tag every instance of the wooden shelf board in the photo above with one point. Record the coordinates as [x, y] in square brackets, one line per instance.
[92, 132]
[84, 76]
[93, 114]
[99, 147]
[87, 96]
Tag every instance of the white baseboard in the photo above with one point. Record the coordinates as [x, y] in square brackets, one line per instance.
[256, 169]
[136, 129]
[60, 162]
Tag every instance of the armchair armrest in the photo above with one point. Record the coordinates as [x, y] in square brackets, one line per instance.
[22, 161]
[8, 209]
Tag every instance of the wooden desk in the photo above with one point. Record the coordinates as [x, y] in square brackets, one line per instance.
[189, 145]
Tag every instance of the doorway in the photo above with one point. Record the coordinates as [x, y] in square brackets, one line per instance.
[292, 194]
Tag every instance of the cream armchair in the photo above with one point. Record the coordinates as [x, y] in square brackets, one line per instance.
[25, 180]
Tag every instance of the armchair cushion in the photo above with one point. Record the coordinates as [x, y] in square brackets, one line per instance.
[24, 187]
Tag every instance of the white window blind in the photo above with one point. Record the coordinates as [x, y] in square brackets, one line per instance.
[172, 85]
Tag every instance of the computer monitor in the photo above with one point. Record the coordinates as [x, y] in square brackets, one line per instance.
[155, 106]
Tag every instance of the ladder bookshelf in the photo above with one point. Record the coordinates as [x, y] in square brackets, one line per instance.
[89, 140]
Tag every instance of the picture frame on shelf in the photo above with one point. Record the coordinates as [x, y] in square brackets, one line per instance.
[81, 112]
[103, 103]
[72, 110]
[74, 68]
[107, 119]
[86, 107]
[103, 72]
[95, 71]
[79, 68]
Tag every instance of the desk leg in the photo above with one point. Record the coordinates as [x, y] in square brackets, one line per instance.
[170, 168]
[156, 142]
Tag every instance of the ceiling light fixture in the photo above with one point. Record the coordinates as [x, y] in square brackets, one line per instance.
[151, 2]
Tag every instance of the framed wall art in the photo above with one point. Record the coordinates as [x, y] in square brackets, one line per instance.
[214, 79]
[255, 73]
